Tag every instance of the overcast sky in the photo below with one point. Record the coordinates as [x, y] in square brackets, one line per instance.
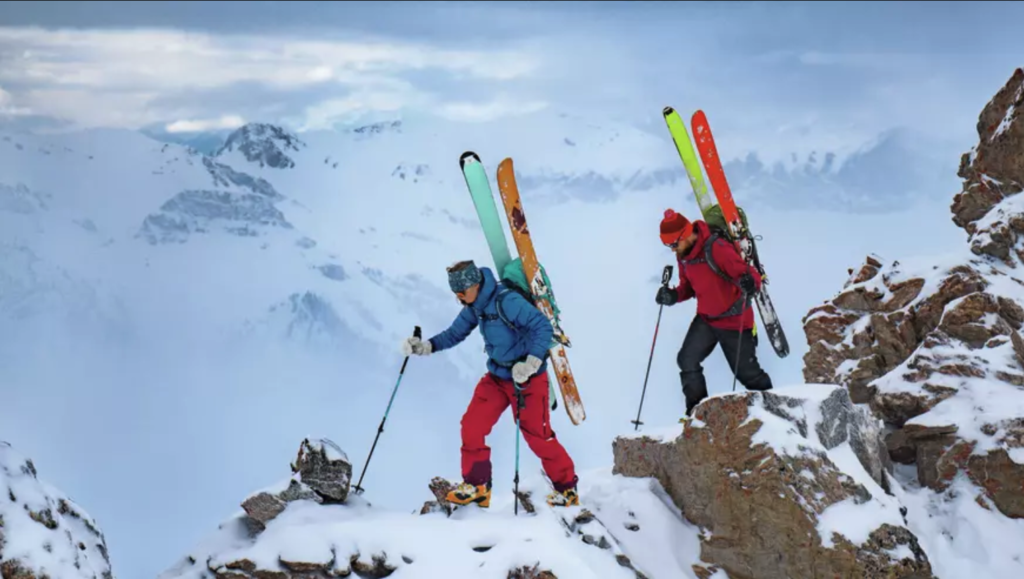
[827, 74]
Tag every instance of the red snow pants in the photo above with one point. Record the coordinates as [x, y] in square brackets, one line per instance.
[490, 399]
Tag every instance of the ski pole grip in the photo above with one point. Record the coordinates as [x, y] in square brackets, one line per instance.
[666, 275]
[417, 332]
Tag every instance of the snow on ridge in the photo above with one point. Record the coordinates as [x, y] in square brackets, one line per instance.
[631, 522]
[43, 533]
[263, 143]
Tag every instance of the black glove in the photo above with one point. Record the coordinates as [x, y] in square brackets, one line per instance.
[666, 296]
[747, 284]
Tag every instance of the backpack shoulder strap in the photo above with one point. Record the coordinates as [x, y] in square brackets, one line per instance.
[502, 292]
[709, 246]
[741, 302]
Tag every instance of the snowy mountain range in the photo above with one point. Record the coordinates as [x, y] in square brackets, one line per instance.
[896, 170]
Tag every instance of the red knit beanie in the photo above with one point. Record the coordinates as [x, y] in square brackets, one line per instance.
[674, 227]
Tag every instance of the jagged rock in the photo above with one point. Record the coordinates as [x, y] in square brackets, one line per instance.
[43, 534]
[321, 473]
[993, 171]
[377, 568]
[754, 471]
[953, 353]
[263, 507]
[325, 468]
[533, 572]
[201, 211]
[264, 144]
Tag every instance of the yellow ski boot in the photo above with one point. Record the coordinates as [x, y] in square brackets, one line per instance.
[466, 494]
[566, 498]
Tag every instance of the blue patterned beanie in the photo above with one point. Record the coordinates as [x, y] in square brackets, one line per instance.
[463, 275]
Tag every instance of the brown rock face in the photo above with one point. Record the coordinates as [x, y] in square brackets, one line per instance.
[905, 342]
[760, 504]
[993, 171]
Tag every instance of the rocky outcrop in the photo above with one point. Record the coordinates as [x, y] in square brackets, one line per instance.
[787, 483]
[267, 145]
[202, 211]
[935, 350]
[44, 534]
[322, 474]
[993, 173]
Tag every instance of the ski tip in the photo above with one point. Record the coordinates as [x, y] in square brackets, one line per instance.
[667, 111]
[467, 156]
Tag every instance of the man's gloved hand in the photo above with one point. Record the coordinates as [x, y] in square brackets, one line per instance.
[522, 371]
[747, 284]
[416, 346]
[666, 296]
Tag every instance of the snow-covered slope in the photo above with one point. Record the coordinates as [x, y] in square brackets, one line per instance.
[623, 522]
[43, 533]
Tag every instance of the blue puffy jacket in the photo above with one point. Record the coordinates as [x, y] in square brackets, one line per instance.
[532, 335]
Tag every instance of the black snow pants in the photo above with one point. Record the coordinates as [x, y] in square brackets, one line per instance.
[700, 341]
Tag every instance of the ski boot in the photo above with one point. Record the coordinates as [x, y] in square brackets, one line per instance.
[566, 498]
[466, 494]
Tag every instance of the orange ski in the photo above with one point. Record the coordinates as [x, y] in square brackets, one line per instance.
[716, 175]
[524, 244]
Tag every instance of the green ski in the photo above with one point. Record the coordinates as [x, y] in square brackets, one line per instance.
[681, 138]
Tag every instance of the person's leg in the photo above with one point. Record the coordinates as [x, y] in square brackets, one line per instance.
[700, 341]
[535, 425]
[484, 410]
[748, 372]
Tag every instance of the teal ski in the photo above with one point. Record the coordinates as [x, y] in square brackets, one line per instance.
[486, 209]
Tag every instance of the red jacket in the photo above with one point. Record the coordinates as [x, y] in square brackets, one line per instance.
[714, 294]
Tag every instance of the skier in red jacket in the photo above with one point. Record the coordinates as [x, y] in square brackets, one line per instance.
[724, 316]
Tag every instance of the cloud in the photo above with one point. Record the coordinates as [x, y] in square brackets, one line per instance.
[70, 73]
[7, 108]
[198, 126]
[488, 111]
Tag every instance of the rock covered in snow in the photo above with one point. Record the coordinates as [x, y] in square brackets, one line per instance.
[264, 144]
[325, 468]
[785, 483]
[321, 474]
[938, 355]
[935, 349]
[43, 533]
[993, 173]
[623, 530]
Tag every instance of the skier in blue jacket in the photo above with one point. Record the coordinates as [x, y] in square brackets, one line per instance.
[517, 337]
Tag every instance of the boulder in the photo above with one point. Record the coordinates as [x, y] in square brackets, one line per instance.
[43, 533]
[325, 468]
[321, 474]
[785, 483]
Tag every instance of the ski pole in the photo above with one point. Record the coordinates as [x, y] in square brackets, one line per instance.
[358, 488]
[739, 344]
[520, 404]
[666, 275]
